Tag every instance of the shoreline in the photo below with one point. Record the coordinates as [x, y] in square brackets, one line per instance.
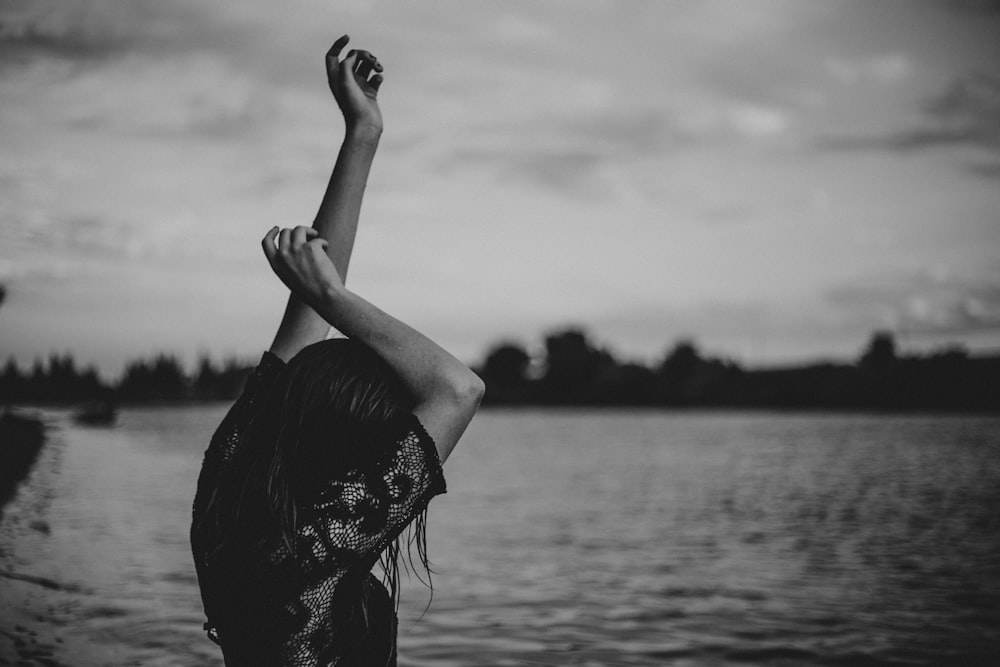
[21, 438]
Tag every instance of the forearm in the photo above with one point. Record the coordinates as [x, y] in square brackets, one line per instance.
[446, 393]
[337, 222]
[428, 371]
[337, 218]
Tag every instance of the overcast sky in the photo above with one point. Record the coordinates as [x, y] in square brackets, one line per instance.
[775, 179]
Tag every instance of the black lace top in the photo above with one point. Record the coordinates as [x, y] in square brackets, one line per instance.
[276, 609]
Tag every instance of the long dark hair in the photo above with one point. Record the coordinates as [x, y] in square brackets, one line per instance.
[331, 403]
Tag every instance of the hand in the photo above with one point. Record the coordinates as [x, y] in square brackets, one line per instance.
[299, 258]
[354, 91]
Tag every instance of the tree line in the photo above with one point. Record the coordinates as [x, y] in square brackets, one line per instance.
[571, 370]
[159, 378]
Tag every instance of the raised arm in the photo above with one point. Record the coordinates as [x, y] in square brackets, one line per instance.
[354, 81]
[445, 391]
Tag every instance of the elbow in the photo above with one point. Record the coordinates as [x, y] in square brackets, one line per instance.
[457, 391]
[470, 390]
[479, 389]
[466, 390]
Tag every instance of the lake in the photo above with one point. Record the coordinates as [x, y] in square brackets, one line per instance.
[566, 538]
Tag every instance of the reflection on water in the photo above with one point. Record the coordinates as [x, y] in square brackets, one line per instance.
[566, 538]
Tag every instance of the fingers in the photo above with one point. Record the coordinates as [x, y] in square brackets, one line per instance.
[358, 70]
[299, 258]
[366, 63]
[284, 240]
[301, 235]
[364, 68]
[338, 46]
[319, 245]
[270, 250]
[360, 63]
[347, 66]
[279, 240]
[366, 59]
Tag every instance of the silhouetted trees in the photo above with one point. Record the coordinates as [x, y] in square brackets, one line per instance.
[576, 372]
[880, 355]
[506, 371]
[157, 379]
[225, 382]
[686, 378]
[570, 369]
[59, 381]
[574, 369]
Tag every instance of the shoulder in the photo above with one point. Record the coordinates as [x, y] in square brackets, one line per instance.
[270, 365]
[247, 407]
[261, 378]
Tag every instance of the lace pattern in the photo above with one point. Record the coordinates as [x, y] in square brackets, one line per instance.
[284, 609]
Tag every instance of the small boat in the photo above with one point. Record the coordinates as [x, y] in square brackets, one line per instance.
[98, 413]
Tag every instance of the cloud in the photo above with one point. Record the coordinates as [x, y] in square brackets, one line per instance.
[971, 102]
[587, 154]
[111, 68]
[887, 68]
[23, 270]
[986, 169]
[64, 248]
[908, 140]
[933, 300]
[196, 96]
[753, 331]
[31, 32]
[978, 6]
[753, 120]
[153, 137]
[965, 113]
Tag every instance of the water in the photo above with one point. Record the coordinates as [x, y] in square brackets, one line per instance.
[566, 538]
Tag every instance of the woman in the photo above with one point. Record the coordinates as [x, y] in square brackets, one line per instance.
[334, 447]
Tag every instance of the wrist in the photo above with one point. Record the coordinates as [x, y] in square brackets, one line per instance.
[333, 304]
[363, 132]
[333, 292]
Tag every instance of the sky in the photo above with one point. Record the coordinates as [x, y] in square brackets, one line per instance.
[775, 179]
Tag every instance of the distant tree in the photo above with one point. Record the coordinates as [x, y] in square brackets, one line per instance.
[206, 373]
[953, 353]
[506, 364]
[214, 383]
[681, 362]
[880, 354]
[58, 381]
[572, 367]
[10, 369]
[505, 372]
[685, 377]
[626, 384]
[11, 382]
[37, 381]
[207, 379]
[157, 379]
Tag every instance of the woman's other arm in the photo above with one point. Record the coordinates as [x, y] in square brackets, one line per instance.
[354, 81]
[446, 392]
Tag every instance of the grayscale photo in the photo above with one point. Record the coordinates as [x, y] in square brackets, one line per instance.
[497, 334]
